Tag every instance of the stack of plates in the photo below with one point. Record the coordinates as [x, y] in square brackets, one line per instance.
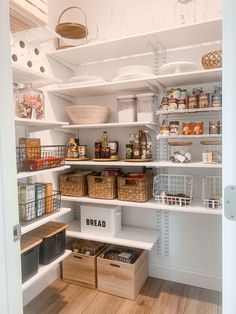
[133, 72]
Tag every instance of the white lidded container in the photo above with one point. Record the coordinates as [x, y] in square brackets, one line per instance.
[145, 107]
[126, 108]
[100, 219]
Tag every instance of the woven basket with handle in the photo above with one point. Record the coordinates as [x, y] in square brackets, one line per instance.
[212, 60]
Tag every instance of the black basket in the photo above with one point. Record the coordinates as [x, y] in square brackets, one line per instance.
[36, 210]
[29, 263]
[52, 247]
[40, 158]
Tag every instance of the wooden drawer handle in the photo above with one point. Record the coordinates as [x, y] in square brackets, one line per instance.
[114, 265]
[78, 257]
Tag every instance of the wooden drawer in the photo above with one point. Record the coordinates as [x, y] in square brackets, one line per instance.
[122, 279]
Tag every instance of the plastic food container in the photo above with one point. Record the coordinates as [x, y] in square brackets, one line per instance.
[179, 152]
[145, 107]
[211, 152]
[127, 109]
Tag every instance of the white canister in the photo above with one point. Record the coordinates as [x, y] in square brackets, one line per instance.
[126, 108]
[145, 107]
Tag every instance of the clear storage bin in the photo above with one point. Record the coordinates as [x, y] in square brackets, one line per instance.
[211, 152]
[179, 152]
[126, 108]
[145, 107]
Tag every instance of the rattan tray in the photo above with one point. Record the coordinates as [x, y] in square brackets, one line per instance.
[106, 159]
[139, 160]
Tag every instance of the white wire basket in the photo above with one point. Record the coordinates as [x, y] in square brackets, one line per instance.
[212, 192]
[178, 189]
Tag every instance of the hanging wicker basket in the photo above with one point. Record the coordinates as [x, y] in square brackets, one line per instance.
[71, 30]
[212, 60]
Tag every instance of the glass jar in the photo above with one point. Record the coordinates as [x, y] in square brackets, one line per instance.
[184, 12]
[174, 128]
[214, 127]
[211, 152]
[179, 152]
[29, 103]
[197, 128]
[203, 100]
[145, 107]
[187, 128]
[127, 110]
[165, 130]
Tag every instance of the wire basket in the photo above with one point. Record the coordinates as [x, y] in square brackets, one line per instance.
[40, 158]
[36, 210]
[212, 192]
[173, 189]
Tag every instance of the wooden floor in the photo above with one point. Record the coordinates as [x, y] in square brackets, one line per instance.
[157, 297]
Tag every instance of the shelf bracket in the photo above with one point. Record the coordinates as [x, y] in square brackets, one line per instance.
[158, 224]
[72, 67]
[68, 98]
[67, 131]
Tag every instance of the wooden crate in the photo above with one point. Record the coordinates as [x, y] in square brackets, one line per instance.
[122, 279]
[81, 269]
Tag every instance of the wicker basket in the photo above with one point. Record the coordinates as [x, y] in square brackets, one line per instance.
[102, 187]
[212, 60]
[88, 114]
[74, 184]
[135, 189]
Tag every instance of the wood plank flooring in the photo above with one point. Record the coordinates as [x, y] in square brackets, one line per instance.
[156, 297]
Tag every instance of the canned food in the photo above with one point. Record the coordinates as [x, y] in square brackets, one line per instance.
[173, 104]
[192, 102]
[203, 100]
[183, 94]
[176, 93]
[197, 90]
[216, 101]
[214, 127]
[164, 103]
[182, 104]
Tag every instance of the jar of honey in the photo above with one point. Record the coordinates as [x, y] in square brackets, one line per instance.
[186, 128]
[198, 128]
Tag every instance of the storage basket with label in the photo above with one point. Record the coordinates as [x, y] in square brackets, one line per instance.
[135, 187]
[74, 184]
[122, 271]
[104, 187]
[80, 268]
[100, 219]
[54, 241]
[29, 256]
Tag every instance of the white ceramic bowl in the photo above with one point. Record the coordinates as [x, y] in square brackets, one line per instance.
[88, 114]
[177, 67]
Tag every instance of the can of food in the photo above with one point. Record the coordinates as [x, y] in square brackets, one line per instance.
[182, 104]
[183, 94]
[129, 151]
[165, 130]
[82, 151]
[176, 93]
[214, 127]
[164, 103]
[216, 101]
[197, 90]
[173, 104]
[174, 128]
[192, 102]
[203, 100]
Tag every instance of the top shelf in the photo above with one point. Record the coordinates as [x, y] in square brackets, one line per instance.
[181, 36]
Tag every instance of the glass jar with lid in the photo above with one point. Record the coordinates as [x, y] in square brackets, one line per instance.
[145, 107]
[126, 107]
[29, 102]
[179, 152]
[211, 152]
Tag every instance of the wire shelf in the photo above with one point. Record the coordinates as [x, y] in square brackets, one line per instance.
[212, 192]
[172, 189]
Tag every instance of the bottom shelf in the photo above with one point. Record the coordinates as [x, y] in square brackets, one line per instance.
[44, 269]
[129, 236]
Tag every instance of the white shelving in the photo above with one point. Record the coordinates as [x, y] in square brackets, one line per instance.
[167, 164]
[201, 136]
[186, 35]
[129, 236]
[150, 125]
[121, 163]
[23, 75]
[184, 111]
[39, 123]
[44, 220]
[151, 204]
[44, 269]
[22, 175]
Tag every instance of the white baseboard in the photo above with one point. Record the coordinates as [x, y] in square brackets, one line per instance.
[41, 284]
[202, 280]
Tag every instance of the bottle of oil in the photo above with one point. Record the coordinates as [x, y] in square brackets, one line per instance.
[143, 144]
[105, 150]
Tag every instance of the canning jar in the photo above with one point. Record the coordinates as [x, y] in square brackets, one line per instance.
[211, 152]
[174, 128]
[197, 128]
[29, 102]
[126, 107]
[187, 128]
[179, 152]
[214, 127]
[145, 107]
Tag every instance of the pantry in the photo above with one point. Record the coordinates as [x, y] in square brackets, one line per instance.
[118, 145]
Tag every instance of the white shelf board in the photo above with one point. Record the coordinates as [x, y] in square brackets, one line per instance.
[23, 75]
[39, 123]
[44, 269]
[166, 164]
[184, 111]
[22, 175]
[151, 204]
[44, 220]
[150, 125]
[190, 78]
[201, 136]
[106, 88]
[39, 34]
[185, 35]
[121, 163]
[129, 236]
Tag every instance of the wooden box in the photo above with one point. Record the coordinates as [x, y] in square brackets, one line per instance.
[81, 269]
[122, 279]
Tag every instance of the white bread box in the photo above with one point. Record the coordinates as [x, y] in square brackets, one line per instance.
[100, 219]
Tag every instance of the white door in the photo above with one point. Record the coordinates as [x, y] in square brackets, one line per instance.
[229, 157]
[10, 267]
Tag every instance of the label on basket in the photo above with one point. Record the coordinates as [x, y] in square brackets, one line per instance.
[95, 223]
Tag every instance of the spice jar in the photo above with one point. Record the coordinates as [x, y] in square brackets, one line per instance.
[114, 148]
[203, 100]
[214, 127]
[129, 151]
[192, 102]
[174, 128]
[198, 128]
[179, 152]
[186, 128]
[211, 152]
[165, 130]
[82, 151]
